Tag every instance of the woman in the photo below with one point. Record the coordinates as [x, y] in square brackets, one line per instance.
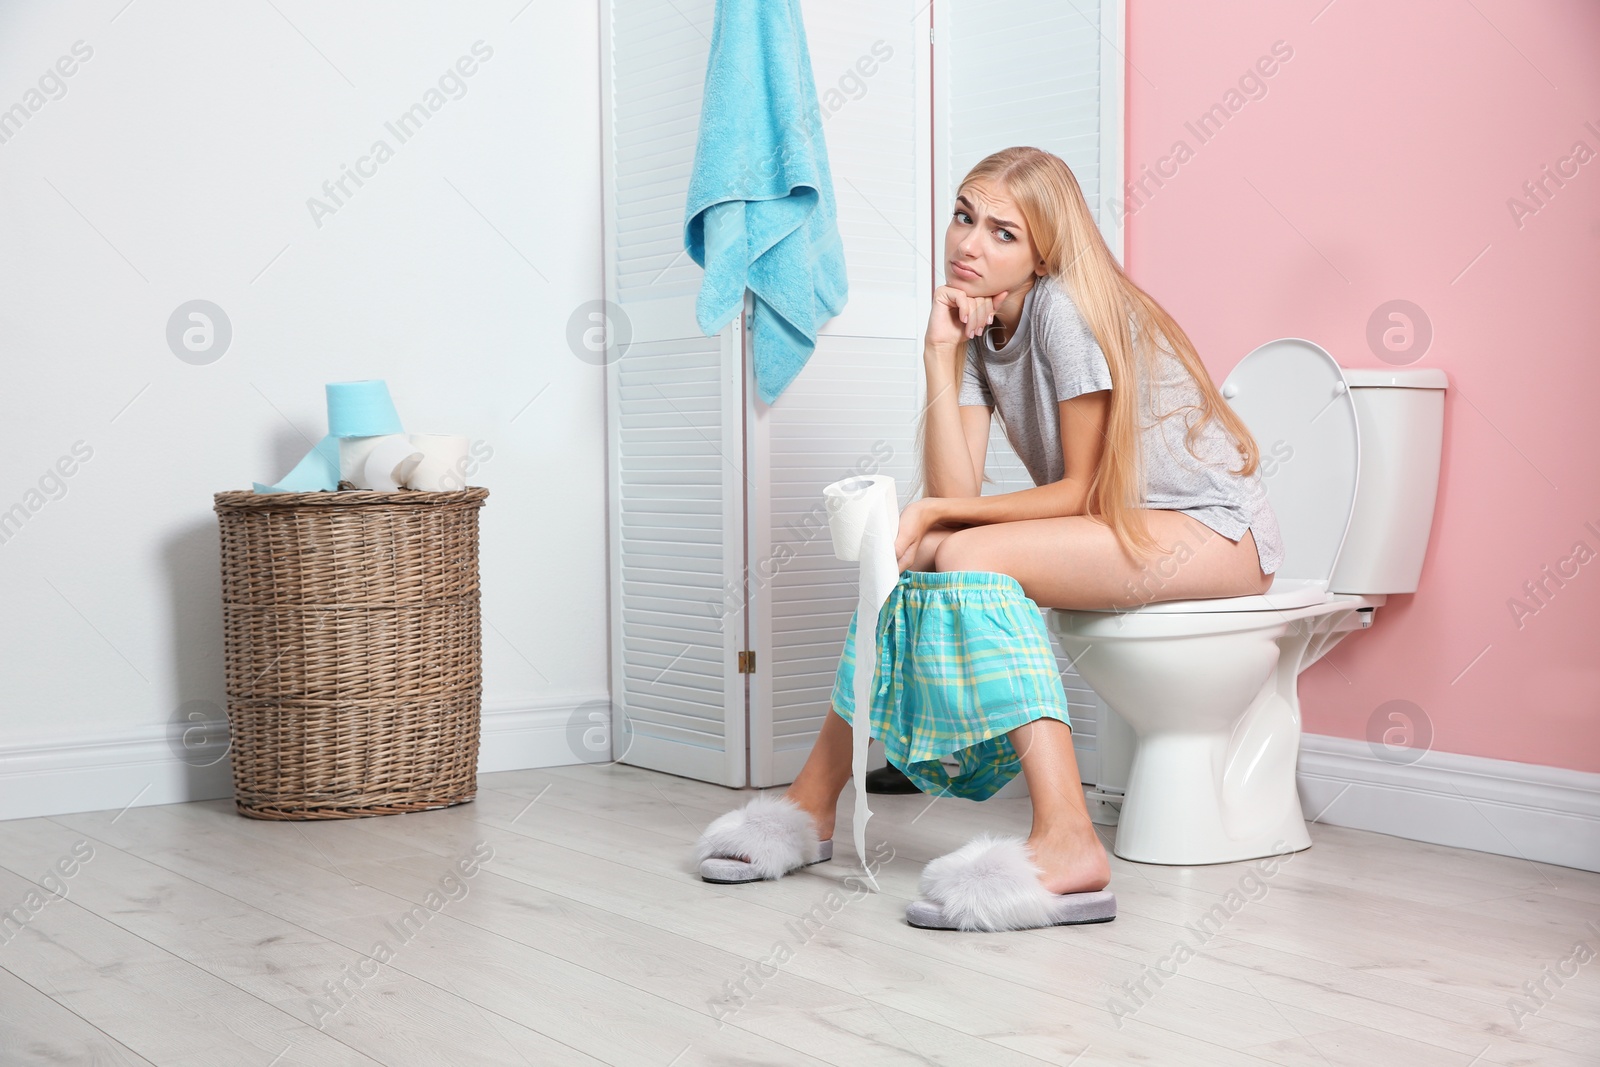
[1146, 489]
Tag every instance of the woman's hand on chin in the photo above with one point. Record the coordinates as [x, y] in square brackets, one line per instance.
[957, 317]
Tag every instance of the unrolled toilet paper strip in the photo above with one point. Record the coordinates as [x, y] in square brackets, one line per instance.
[355, 409]
[317, 469]
[443, 468]
[864, 519]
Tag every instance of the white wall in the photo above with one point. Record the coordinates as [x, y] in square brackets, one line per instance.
[177, 164]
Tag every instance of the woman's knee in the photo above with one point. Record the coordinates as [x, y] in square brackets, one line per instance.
[928, 549]
[960, 551]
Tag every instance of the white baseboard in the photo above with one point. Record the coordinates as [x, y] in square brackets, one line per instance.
[147, 766]
[1547, 814]
[1524, 810]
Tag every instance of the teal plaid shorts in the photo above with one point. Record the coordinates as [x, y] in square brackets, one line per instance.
[963, 659]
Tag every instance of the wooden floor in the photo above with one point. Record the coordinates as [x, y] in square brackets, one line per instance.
[193, 937]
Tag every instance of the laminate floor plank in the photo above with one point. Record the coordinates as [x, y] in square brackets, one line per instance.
[196, 937]
[802, 914]
[148, 999]
[566, 1007]
[34, 1028]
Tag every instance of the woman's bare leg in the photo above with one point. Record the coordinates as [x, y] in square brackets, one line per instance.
[1201, 563]
[825, 774]
[1074, 562]
[1063, 841]
[827, 769]
[928, 548]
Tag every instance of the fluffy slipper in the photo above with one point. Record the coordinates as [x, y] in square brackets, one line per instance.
[992, 883]
[774, 834]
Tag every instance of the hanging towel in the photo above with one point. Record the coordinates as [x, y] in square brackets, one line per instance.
[761, 213]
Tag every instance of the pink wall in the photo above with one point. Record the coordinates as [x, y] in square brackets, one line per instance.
[1378, 165]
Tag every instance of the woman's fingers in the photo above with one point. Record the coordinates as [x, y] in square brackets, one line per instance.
[975, 312]
[981, 315]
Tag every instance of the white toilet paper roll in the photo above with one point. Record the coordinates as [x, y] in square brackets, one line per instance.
[382, 463]
[444, 462]
[864, 519]
[353, 453]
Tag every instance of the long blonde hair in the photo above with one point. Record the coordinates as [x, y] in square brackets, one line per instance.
[1126, 321]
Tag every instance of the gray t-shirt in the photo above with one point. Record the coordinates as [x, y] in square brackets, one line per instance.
[1053, 356]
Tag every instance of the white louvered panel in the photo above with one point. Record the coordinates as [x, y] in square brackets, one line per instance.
[690, 531]
[853, 411]
[864, 60]
[674, 419]
[1059, 89]
[657, 70]
[853, 407]
[675, 554]
[1046, 92]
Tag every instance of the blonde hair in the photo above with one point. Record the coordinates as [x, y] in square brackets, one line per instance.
[1126, 321]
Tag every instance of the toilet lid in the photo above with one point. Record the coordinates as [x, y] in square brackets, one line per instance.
[1293, 396]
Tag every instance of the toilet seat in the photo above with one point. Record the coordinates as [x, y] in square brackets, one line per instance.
[1283, 593]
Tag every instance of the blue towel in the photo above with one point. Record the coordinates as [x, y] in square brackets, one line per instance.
[761, 212]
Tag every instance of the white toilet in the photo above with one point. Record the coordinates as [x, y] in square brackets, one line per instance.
[1209, 688]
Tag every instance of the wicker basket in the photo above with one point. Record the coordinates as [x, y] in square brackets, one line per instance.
[352, 650]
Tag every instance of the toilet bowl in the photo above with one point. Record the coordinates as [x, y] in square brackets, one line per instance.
[1208, 689]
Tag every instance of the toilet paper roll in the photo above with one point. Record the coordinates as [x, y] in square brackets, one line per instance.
[361, 409]
[443, 468]
[353, 453]
[382, 463]
[356, 410]
[864, 519]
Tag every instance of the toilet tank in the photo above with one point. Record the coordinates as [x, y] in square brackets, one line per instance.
[1400, 416]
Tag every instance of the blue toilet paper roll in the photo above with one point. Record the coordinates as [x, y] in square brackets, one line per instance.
[361, 409]
[355, 409]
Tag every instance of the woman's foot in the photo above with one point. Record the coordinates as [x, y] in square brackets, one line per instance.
[822, 812]
[1071, 862]
[821, 815]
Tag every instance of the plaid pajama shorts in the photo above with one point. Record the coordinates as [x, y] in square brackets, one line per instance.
[963, 658]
